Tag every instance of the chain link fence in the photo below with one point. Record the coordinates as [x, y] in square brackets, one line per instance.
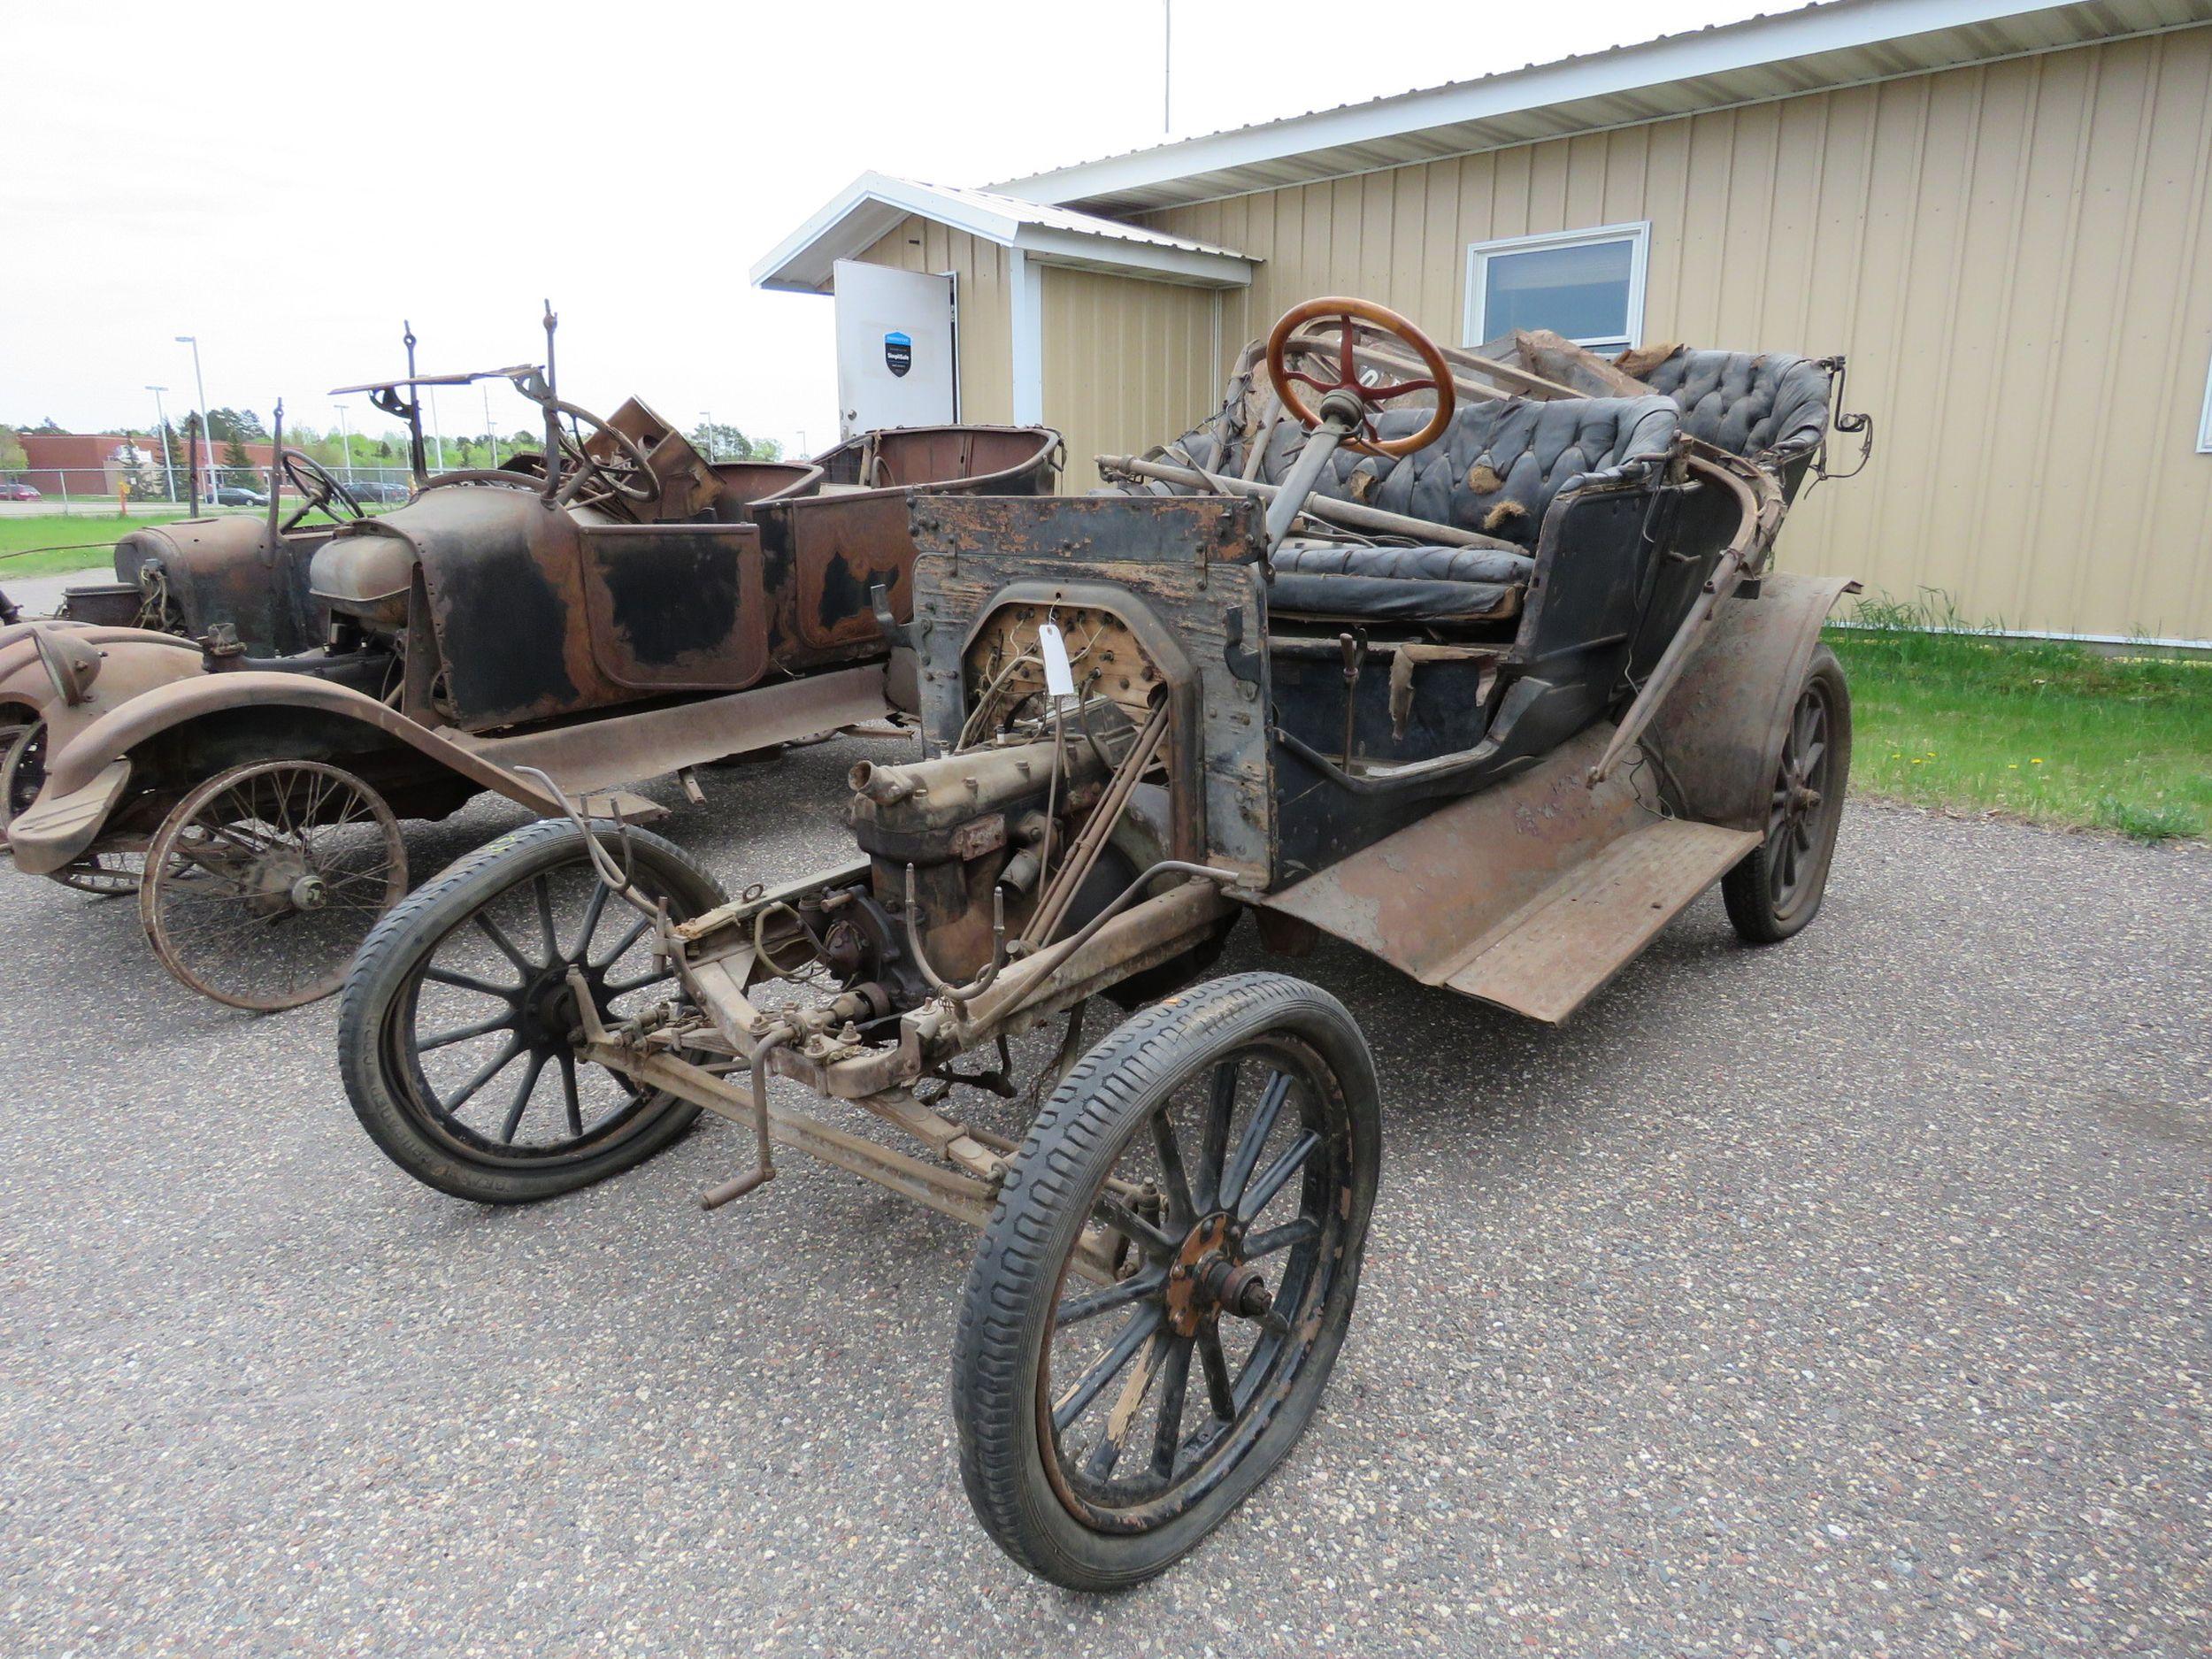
[105, 490]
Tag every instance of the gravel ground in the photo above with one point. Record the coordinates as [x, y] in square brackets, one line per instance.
[1847, 1297]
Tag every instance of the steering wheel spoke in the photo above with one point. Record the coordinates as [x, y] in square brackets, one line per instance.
[1346, 315]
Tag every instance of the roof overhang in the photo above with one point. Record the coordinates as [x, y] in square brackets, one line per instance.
[1819, 48]
[875, 203]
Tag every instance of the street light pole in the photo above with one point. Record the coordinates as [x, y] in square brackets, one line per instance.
[199, 386]
[161, 425]
[345, 442]
[707, 416]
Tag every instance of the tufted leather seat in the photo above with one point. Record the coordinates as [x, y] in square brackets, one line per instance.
[1496, 471]
[1752, 405]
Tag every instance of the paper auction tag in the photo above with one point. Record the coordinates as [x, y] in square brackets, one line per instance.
[1059, 678]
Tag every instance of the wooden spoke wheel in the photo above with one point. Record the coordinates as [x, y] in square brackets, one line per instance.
[1776, 891]
[262, 882]
[1157, 1302]
[457, 1032]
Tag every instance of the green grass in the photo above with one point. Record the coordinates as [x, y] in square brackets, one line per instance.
[2046, 731]
[40, 544]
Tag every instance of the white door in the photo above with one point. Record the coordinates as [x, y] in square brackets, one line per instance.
[895, 349]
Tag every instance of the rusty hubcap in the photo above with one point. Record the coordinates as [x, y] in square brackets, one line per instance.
[1209, 1276]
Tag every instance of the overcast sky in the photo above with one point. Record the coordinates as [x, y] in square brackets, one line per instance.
[288, 181]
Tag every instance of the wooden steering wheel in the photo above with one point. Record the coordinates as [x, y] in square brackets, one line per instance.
[1285, 379]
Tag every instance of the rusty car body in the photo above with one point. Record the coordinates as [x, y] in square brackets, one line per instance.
[1437, 652]
[628, 611]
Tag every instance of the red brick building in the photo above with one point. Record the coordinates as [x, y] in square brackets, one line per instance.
[95, 463]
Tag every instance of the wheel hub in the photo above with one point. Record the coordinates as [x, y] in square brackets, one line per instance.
[309, 893]
[1208, 1277]
[550, 1015]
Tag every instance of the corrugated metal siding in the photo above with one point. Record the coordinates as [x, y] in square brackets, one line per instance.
[2017, 258]
[987, 370]
[1127, 365]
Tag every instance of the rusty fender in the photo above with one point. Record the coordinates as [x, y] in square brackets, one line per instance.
[115, 734]
[1720, 732]
[126, 663]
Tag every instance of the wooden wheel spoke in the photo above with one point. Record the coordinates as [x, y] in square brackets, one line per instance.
[542, 890]
[1221, 1104]
[1135, 1228]
[1274, 1239]
[468, 982]
[622, 987]
[1255, 1140]
[1100, 1464]
[1134, 1288]
[506, 947]
[1167, 1438]
[1255, 1197]
[593, 912]
[521, 1102]
[1215, 1363]
[461, 1033]
[1140, 1330]
[484, 1073]
[636, 933]
[1178, 1184]
[569, 1101]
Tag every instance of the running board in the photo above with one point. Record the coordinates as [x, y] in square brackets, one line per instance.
[1553, 953]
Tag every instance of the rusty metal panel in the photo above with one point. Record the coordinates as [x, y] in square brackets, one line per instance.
[1552, 955]
[1433, 896]
[1720, 729]
[1183, 566]
[648, 744]
[676, 607]
[853, 536]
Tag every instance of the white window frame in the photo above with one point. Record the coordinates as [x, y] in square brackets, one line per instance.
[1637, 233]
[2204, 427]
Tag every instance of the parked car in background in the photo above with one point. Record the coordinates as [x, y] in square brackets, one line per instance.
[239, 495]
[16, 489]
[372, 489]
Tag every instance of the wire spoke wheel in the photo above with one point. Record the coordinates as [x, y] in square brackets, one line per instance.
[22, 770]
[262, 882]
[1156, 1304]
[1776, 890]
[459, 1030]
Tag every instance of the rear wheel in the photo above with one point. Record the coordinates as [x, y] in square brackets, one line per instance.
[1155, 1305]
[105, 875]
[457, 1029]
[1776, 891]
[263, 881]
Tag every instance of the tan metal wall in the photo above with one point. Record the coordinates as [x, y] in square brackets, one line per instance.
[980, 291]
[2017, 258]
[1127, 363]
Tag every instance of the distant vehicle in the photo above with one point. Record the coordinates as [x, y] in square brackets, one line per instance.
[370, 489]
[15, 489]
[239, 495]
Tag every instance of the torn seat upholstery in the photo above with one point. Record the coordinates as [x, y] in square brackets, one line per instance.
[1496, 471]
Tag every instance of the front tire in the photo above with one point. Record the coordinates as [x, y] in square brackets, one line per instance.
[1776, 891]
[457, 1024]
[1220, 1260]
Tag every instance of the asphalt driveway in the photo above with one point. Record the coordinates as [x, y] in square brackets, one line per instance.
[1845, 1297]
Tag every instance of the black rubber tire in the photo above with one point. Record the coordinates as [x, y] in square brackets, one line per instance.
[1747, 890]
[394, 952]
[1007, 1305]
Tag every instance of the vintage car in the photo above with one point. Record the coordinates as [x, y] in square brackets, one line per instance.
[625, 611]
[1486, 676]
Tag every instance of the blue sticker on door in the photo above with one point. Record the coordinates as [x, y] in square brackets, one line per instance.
[898, 352]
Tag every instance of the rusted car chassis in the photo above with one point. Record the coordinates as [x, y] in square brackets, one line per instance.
[1497, 741]
[625, 611]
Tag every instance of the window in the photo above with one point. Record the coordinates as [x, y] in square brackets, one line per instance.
[2204, 428]
[1588, 285]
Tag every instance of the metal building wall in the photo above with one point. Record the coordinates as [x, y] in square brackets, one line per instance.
[2017, 255]
[980, 291]
[1127, 365]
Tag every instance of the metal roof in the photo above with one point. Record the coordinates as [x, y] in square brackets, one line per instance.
[1819, 46]
[873, 205]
